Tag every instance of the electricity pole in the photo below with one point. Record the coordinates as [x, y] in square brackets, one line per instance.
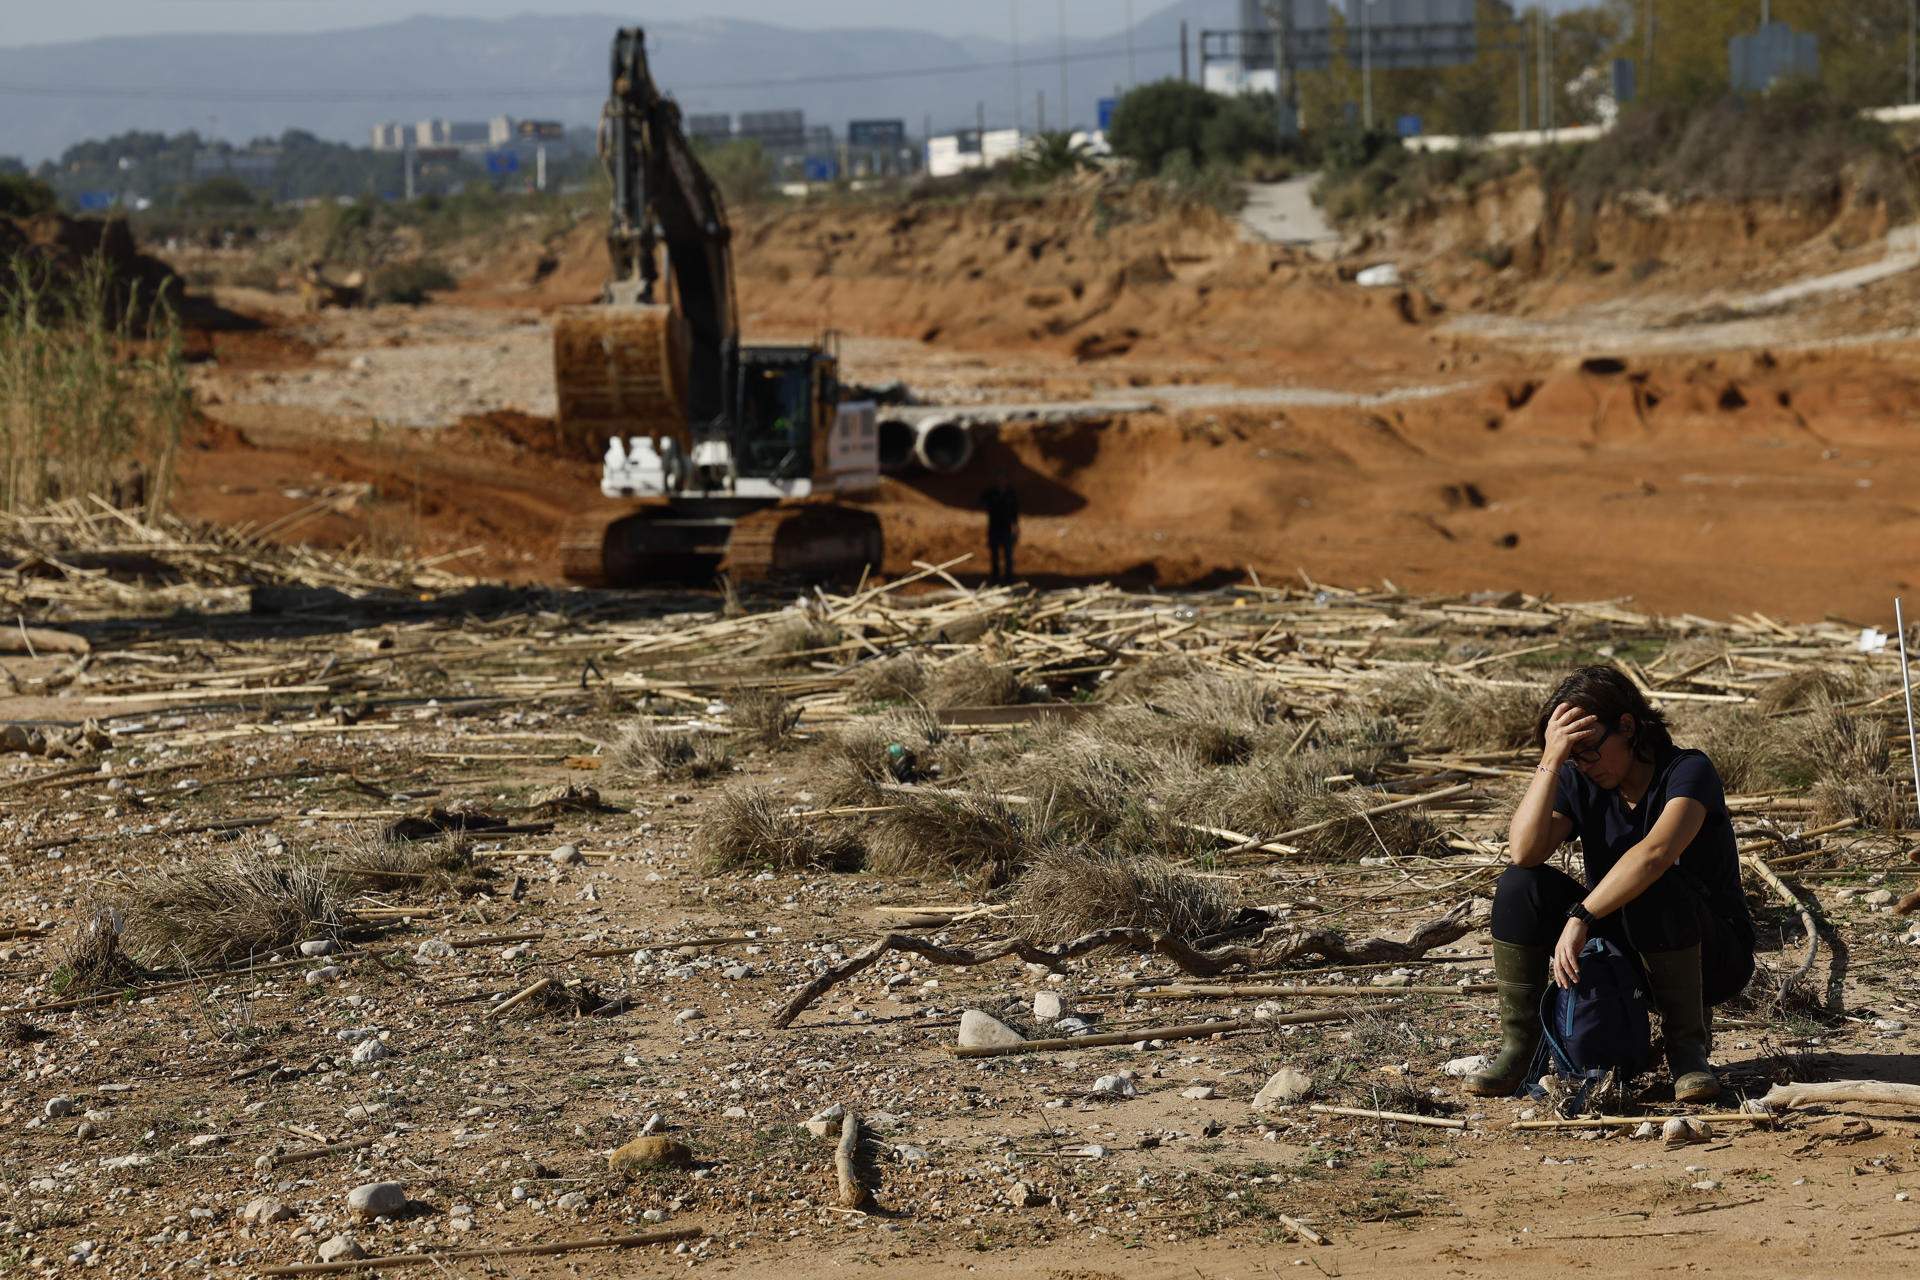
[1066, 111]
[1366, 62]
[1913, 50]
[1133, 76]
[1013, 21]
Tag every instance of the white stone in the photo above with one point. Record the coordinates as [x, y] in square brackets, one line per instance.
[1283, 1088]
[368, 1052]
[1878, 898]
[688, 1015]
[1048, 1006]
[983, 1031]
[319, 947]
[567, 855]
[264, 1211]
[826, 1123]
[1115, 1087]
[1645, 1130]
[341, 1249]
[377, 1199]
[572, 1201]
[1199, 1092]
[58, 1107]
[326, 974]
[1472, 1065]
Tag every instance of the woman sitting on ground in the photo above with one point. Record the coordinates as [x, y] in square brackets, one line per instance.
[1663, 877]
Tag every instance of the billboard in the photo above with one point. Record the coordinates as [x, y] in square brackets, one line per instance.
[876, 133]
[1774, 52]
[1396, 33]
[775, 128]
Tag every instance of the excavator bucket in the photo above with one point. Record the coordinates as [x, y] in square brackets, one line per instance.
[621, 371]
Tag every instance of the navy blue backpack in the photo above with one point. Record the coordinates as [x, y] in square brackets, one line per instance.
[1601, 1023]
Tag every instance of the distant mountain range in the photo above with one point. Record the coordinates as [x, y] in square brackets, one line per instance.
[338, 84]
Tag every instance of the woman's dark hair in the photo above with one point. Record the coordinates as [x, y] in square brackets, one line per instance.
[1607, 693]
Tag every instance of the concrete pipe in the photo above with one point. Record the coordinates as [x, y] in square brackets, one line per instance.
[897, 440]
[945, 445]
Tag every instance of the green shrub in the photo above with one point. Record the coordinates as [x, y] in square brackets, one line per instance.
[1155, 123]
[23, 196]
[410, 283]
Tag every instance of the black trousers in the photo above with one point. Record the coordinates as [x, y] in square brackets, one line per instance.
[1530, 910]
[1000, 548]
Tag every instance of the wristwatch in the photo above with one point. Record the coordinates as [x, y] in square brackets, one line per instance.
[1578, 911]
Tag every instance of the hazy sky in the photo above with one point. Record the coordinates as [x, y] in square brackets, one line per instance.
[27, 22]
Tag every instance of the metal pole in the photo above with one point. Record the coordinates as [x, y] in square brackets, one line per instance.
[1013, 21]
[1185, 75]
[1647, 55]
[1366, 62]
[1066, 111]
[1906, 688]
[1546, 75]
[1133, 75]
[1913, 50]
[1525, 87]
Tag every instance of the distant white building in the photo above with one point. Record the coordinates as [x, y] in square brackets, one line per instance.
[971, 149]
[390, 136]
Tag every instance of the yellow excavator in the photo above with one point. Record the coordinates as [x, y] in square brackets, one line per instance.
[718, 457]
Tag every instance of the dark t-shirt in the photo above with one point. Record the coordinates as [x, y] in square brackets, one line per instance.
[1003, 508]
[1607, 828]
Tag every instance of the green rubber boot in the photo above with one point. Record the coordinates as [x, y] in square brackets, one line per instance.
[1677, 981]
[1522, 975]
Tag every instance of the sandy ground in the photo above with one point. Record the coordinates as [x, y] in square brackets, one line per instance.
[185, 1103]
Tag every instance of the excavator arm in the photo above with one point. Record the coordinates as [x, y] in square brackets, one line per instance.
[660, 188]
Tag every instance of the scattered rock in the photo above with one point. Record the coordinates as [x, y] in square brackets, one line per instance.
[688, 1015]
[377, 1199]
[1025, 1196]
[1645, 1129]
[1282, 1089]
[368, 1052]
[319, 947]
[826, 1123]
[264, 1211]
[327, 974]
[1878, 898]
[651, 1153]
[58, 1107]
[1200, 1093]
[567, 855]
[1117, 1086]
[1471, 1065]
[1681, 1130]
[341, 1249]
[1048, 1006]
[983, 1031]
[572, 1201]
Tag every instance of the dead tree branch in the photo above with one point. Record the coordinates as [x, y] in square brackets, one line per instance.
[1276, 945]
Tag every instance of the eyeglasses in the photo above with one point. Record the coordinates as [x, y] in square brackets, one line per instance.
[1591, 755]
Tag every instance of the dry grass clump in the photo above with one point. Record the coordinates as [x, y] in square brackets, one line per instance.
[1404, 831]
[1071, 891]
[1461, 715]
[973, 838]
[1750, 750]
[1814, 687]
[849, 766]
[442, 865]
[899, 678]
[747, 829]
[93, 961]
[1471, 717]
[796, 639]
[213, 913]
[648, 752]
[972, 681]
[1143, 681]
[762, 717]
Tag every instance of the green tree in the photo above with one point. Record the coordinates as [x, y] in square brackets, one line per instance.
[1159, 121]
[1051, 155]
[23, 197]
[739, 167]
[222, 192]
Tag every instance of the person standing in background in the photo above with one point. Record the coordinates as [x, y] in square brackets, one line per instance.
[1003, 525]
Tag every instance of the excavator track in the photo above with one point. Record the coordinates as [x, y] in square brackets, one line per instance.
[622, 544]
[809, 541]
